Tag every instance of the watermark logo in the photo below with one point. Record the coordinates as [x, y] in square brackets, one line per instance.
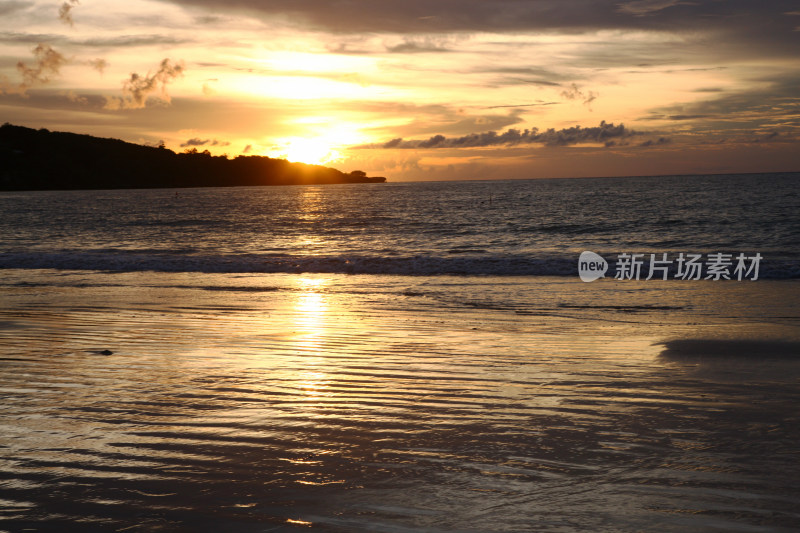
[591, 266]
[684, 266]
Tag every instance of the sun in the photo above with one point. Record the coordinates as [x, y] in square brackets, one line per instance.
[322, 140]
[314, 151]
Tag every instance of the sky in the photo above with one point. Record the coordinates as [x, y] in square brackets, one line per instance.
[420, 89]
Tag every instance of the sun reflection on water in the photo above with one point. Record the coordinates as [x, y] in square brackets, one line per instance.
[311, 313]
[310, 310]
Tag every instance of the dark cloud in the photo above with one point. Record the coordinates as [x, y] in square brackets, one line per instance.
[742, 20]
[196, 141]
[65, 12]
[603, 133]
[768, 137]
[138, 88]
[656, 142]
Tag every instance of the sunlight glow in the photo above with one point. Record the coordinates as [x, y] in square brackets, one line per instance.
[310, 87]
[321, 148]
[314, 151]
[321, 62]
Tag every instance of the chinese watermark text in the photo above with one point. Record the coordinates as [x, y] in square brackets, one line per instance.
[663, 266]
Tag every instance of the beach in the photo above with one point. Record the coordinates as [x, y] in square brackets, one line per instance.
[140, 401]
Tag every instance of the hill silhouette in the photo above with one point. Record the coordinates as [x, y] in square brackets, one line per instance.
[43, 160]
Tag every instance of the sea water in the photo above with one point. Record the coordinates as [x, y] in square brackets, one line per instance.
[399, 357]
[535, 227]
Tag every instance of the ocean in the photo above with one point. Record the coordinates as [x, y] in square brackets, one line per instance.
[403, 357]
[535, 227]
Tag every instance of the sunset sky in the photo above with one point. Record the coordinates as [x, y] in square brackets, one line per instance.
[420, 89]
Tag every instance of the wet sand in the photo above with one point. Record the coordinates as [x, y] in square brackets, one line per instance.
[379, 403]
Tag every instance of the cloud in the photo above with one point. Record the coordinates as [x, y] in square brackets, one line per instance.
[603, 133]
[648, 7]
[133, 41]
[505, 76]
[207, 89]
[535, 72]
[98, 64]
[47, 64]
[48, 102]
[123, 41]
[656, 142]
[203, 142]
[74, 97]
[208, 19]
[670, 32]
[772, 103]
[65, 12]
[416, 46]
[431, 119]
[247, 149]
[344, 49]
[436, 16]
[46, 107]
[538, 104]
[138, 88]
[574, 93]
[511, 80]
[28, 38]
[688, 117]
[6, 8]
